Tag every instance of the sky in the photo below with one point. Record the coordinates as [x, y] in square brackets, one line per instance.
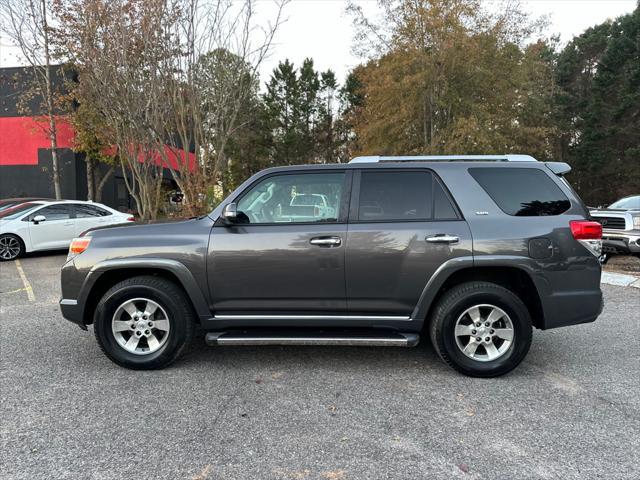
[321, 29]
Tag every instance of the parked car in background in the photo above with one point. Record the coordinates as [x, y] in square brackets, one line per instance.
[620, 227]
[12, 202]
[469, 251]
[50, 225]
[308, 206]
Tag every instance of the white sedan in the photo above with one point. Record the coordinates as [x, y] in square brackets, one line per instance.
[51, 225]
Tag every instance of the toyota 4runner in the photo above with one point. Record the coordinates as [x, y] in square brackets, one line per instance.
[471, 251]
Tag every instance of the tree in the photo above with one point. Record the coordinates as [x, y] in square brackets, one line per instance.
[282, 103]
[351, 99]
[308, 89]
[92, 139]
[596, 107]
[169, 78]
[326, 138]
[446, 76]
[301, 109]
[116, 48]
[27, 24]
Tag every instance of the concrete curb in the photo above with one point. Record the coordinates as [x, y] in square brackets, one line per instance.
[620, 279]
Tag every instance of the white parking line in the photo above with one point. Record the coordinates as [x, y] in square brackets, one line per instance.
[25, 282]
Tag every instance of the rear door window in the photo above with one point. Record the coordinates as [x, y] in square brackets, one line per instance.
[90, 211]
[395, 196]
[443, 209]
[522, 192]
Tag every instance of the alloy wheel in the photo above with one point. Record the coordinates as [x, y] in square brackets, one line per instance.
[140, 326]
[484, 332]
[9, 248]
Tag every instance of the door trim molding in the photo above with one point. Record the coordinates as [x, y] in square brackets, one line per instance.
[397, 318]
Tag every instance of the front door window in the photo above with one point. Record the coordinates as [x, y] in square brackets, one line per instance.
[294, 198]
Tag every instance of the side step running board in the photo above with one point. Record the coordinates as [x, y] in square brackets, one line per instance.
[248, 338]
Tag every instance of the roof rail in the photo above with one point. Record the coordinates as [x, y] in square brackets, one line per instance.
[444, 158]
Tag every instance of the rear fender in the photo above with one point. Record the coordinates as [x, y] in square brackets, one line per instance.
[447, 269]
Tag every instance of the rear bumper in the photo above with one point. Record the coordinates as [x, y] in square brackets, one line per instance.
[72, 312]
[621, 242]
[572, 308]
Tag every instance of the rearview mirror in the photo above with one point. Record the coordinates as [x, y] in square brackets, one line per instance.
[230, 212]
[39, 218]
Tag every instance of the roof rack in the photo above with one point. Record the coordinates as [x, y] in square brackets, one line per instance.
[444, 158]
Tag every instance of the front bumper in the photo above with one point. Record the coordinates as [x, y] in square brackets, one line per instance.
[618, 241]
[72, 312]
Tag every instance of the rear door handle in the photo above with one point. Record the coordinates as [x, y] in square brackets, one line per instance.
[326, 241]
[442, 238]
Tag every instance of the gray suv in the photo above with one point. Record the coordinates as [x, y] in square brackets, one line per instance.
[471, 251]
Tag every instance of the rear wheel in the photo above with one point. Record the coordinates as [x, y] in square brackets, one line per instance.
[481, 329]
[144, 322]
[11, 247]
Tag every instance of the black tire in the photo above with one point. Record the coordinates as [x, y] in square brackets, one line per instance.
[464, 296]
[169, 297]
[11, 247]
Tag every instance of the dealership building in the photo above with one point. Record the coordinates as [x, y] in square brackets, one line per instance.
[25, 148]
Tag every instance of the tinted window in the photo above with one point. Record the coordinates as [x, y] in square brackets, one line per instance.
[442, 209]
[526, 192]
[87, 211]
[390, 195]
[295, 198]
[54, 212]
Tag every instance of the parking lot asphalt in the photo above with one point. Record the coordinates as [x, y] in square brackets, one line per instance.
[571, 410]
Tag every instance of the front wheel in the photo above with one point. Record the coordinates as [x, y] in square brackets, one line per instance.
[144, 323]
[11, 247]
[481, 329]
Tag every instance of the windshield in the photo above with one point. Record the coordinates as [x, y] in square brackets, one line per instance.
[5, 204]
[627, 203]
[307, 200]
[18, 210]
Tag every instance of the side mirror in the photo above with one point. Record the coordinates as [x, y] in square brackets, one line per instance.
[230, 212]
[39, 218]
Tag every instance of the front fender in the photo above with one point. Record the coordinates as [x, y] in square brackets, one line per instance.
[179, 270]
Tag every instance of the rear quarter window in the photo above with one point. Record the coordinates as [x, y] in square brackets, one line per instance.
[522, 192]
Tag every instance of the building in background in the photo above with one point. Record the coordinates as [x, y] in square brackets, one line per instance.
[25, 148]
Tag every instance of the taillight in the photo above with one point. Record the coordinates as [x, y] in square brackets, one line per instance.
[585, 230]
[78, 245]
[589, 234]
[131, 219]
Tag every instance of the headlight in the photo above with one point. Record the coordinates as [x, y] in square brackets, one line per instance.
[78, 245]
[636, 223]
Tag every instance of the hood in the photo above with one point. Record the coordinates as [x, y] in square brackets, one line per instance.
[157, 228]
[615, 210]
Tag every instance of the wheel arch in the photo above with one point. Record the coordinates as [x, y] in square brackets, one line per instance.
[514, 276]
[104, 276]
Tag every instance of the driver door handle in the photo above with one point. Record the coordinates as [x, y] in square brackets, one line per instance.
[442, 238]
[326, 241]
